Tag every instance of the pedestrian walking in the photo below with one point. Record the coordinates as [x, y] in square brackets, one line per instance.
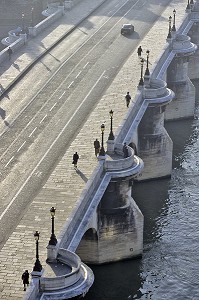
[97, 147]
[25, 278]
[9, 51]
[128, 99]
[139, 52]
[75, 159]
[125, 151]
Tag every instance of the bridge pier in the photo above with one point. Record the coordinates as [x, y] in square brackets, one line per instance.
[117, 227]
[183, 104]
[151, 141]
[154, 144]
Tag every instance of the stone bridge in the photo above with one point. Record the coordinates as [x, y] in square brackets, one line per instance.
[106, 225]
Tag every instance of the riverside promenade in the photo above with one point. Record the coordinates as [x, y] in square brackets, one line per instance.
[65, 185]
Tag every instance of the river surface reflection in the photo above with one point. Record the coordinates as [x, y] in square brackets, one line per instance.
[170, 262]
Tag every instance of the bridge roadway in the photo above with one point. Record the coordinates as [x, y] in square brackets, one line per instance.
[65, 184]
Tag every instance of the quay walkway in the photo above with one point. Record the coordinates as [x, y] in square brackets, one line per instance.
[65, 185]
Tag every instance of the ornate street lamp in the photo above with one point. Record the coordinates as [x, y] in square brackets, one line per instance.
[111, 135]
[37, 266]
[53, 240]
[174, 20]
[147, 63]
[169, 34]
[141, 82]
[102, 151]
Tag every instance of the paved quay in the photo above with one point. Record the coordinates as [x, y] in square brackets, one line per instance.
[65, 184]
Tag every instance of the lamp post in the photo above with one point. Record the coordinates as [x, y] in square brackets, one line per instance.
[37, 266]
[111, 135]
[141, 82]
[147, 63]
[22, 20]
[53, 240]
[102, 151]
[32, 16]
[169, 34]
[174, 20]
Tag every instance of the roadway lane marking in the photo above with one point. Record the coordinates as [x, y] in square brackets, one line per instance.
[62, 95]
[85, 65]
[57, 122]
[53, 106]
[43, 119]
[74, 46]
[78, 74]
[70, 84]
[32, 132]
[51, 146]
[9, 162]
[21, 146]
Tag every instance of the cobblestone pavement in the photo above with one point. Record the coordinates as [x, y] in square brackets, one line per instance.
[65, 185]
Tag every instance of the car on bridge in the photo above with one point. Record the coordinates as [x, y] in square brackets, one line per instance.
[127, 29]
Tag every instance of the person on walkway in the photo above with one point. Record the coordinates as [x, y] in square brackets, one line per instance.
[97, 147]
[75, 160]
[139, 52]
[128, 99]
[125, 151]
[9, 51]
[25, 279]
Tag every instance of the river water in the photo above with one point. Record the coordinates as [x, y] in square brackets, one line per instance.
[169, 266]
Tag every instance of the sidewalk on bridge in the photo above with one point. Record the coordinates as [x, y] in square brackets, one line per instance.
[65, 184]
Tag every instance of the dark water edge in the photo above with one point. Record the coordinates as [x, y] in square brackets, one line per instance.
[169, 266]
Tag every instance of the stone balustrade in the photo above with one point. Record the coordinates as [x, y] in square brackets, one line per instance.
[34, 31]
[51, 9]
[13, 35]
[20, 42]
[122, 163]
[157, 88]
[72, 261]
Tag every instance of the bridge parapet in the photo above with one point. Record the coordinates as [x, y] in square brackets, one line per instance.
[34, 31]
[156, 89]
[71, 269]
[73, 278]
[117, 162]
[51, 9]
[182, 44]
